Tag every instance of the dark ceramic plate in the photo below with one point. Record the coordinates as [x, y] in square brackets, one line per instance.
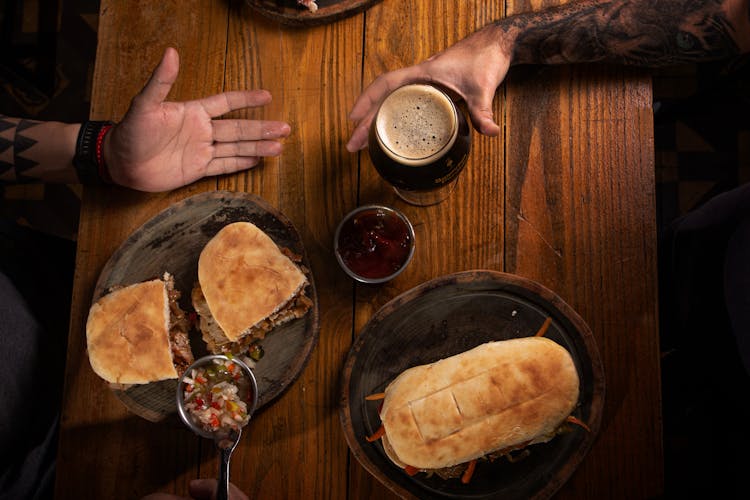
[172, 241]
[289, 12]
[452, 314]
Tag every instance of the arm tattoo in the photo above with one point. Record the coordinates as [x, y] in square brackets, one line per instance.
[637, 32]
[13, 145]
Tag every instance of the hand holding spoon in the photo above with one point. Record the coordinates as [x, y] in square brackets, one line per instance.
[216, 396]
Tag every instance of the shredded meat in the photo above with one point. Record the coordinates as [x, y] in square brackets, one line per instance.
[451, 472]
[212, 334]
[179, 326]
[456, 471]
[296, 308]
[296, 258]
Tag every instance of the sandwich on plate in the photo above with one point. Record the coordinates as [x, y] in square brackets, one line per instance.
[247, 286]
[484, 403]
[138, 334]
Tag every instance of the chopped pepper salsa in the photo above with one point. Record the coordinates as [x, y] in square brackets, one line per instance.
[216, 396]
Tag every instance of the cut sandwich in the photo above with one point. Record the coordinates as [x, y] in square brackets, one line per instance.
[484, 403]
[138, 334]
[247, 286]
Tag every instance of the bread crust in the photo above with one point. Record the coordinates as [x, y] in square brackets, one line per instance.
[244, 278]
[497, 395]
[127, 335]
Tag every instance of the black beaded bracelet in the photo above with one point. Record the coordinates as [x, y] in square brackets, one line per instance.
[88, 159]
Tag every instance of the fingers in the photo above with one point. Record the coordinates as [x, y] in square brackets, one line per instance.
[220, 104]
[383, 85]
[371, 98]
[161, 81]
[249, 130]
[165, 74]
[204, 489]
[365, 108]
[239, 144]
[230, 165]
[358, 139]
[480, 110]
[236, 494]
[369, 101]
[200, 489]
[247, 148]
[484, 123]
[163, 496]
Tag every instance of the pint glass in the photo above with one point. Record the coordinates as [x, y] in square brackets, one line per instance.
[418, 142]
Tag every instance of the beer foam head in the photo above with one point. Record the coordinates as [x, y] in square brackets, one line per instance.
[416, 122]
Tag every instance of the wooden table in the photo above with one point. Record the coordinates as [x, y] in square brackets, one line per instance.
[565, 197]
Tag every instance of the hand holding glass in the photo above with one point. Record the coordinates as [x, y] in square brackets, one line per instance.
[419, 142]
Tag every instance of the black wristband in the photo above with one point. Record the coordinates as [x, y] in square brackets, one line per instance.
[86, 159]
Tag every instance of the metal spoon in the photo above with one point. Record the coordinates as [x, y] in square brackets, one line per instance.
[226, 446]
[226, 442]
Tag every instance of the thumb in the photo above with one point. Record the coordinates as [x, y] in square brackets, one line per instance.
[480, 110]
[162, 79]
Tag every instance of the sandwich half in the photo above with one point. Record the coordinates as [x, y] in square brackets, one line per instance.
[247, 286]
[138, 334]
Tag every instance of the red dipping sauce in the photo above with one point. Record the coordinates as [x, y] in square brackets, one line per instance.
[374, 243]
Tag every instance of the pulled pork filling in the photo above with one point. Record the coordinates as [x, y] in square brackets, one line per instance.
[456, 471]
[179, 326]
[297, 307]
[213, 335]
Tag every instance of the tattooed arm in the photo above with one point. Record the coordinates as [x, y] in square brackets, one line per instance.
[157, 146]
[638, 32]
[32, 151]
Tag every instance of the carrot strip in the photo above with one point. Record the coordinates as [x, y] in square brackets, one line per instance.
[410, 470]
[574, 420]
[375, 397]
[543, 328]
[377, 435]
[466, 476]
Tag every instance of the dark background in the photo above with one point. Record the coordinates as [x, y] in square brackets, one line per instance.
[702, 142]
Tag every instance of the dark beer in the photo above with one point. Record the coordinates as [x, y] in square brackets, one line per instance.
[419, 141]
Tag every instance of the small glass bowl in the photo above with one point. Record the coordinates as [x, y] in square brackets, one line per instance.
[187, 419]
[374, 243]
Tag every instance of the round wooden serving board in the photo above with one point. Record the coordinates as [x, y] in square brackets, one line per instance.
[172, 241]
[289, 12]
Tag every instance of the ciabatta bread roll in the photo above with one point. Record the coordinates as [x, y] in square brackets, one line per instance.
[498, 396]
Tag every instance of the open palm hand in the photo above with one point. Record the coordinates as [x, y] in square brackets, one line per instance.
[161, 145]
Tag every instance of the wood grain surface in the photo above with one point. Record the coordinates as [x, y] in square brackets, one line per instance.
[564, 197]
